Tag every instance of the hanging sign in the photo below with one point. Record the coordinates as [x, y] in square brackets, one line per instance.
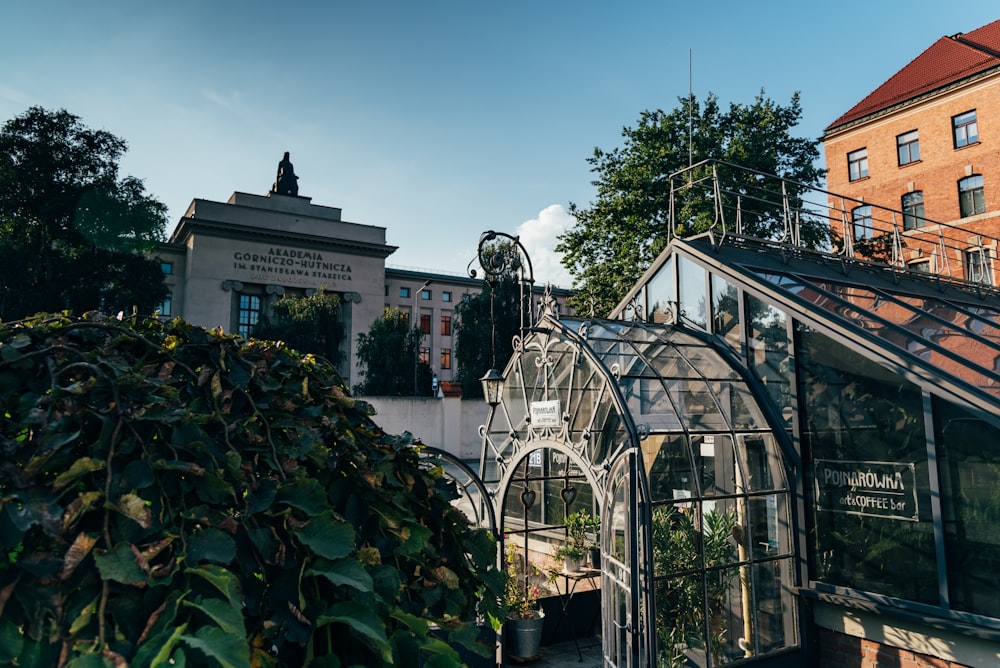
[875, 489]
[546, 413]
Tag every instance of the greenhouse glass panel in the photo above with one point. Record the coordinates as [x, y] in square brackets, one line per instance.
[768, 352]
[671, 472]
[969, 458]
[726, 311]
[693, 292]
[661, 294]
[714, 459]
[864, 429]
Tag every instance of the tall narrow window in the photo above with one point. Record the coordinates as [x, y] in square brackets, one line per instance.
[966, 129]
[166, 306]
[861, 218]
[446, 358]
[908, 147]
[249, 314]
[857, 164]
[913, 210]
[425, 323]
[446, 325]
[978, 268]
[425, 355]
[970, 195]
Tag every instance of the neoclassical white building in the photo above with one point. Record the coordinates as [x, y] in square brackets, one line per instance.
[226, 263]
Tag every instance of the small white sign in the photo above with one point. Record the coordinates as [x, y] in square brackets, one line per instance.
[546, 413]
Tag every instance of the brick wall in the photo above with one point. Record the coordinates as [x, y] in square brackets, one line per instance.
[838, 650]
[941, 165]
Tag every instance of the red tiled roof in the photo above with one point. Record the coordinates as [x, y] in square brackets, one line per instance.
[948, 60]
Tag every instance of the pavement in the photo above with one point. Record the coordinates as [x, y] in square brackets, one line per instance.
[564, 655]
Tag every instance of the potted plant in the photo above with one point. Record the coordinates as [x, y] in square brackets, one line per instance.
[577, 541]
[524, 618]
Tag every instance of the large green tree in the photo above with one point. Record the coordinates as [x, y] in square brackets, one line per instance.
[309, 324]
[619, 234]
[389, 353]
[74, 235]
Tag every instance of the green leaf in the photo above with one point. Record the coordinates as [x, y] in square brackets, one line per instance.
[11, 641]
[344, 571]
[227, 614]
[224, 581]
[231, 651]
[361, 619]
[120, 565]
[305, 494]
[211, 545]
[328, 537]
[418, 625]
[91, 660]
[84, 617]
[413, 538]
[157, 650]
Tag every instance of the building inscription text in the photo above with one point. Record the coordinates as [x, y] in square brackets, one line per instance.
[291, 263]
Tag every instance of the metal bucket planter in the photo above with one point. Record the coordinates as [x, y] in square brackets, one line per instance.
[524, 637]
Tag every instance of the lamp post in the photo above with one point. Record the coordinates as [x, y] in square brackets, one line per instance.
[416, 323]
[496, 261]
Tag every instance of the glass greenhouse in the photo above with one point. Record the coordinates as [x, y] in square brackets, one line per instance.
[761, 431]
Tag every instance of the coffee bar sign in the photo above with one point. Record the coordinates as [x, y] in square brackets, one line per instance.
[546, 413]
[875, 489]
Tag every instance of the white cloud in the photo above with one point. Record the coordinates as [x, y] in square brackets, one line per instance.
[539, 236]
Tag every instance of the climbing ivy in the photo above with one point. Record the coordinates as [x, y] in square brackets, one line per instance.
[176, 496]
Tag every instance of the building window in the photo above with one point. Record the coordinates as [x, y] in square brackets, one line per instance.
[166, 305]
[446, 325]
[249, 314]
[857, 164]
[913, 210]
[387, 291]
[861, 218]
[446, 358]
[425, 355]
[445, 296]
[970, 195]
[922, 266]
[425, 323]
[966, 129]
[167, 268]
[404, 293]
[425, 295]
[978, 268]
[908, 147]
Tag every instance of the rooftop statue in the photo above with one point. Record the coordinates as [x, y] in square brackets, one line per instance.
[286, 183]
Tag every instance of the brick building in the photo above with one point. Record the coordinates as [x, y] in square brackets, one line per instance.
[916, 164]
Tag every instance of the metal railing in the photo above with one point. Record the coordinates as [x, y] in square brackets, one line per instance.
[748, 203]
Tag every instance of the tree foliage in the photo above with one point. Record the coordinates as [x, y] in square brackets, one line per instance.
[73, 234]
[389, 353]
[488, 321]
[309, 324]
[176, 496]
[622, 231]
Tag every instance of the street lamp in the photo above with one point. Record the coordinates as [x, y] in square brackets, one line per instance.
[495, 262]
[416, 323]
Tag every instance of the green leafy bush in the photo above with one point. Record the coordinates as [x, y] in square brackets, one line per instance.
[176, 496]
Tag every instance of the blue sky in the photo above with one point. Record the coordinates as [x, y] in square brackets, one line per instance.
[435, 120]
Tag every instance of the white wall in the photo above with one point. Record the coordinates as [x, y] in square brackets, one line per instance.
[449, 423]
